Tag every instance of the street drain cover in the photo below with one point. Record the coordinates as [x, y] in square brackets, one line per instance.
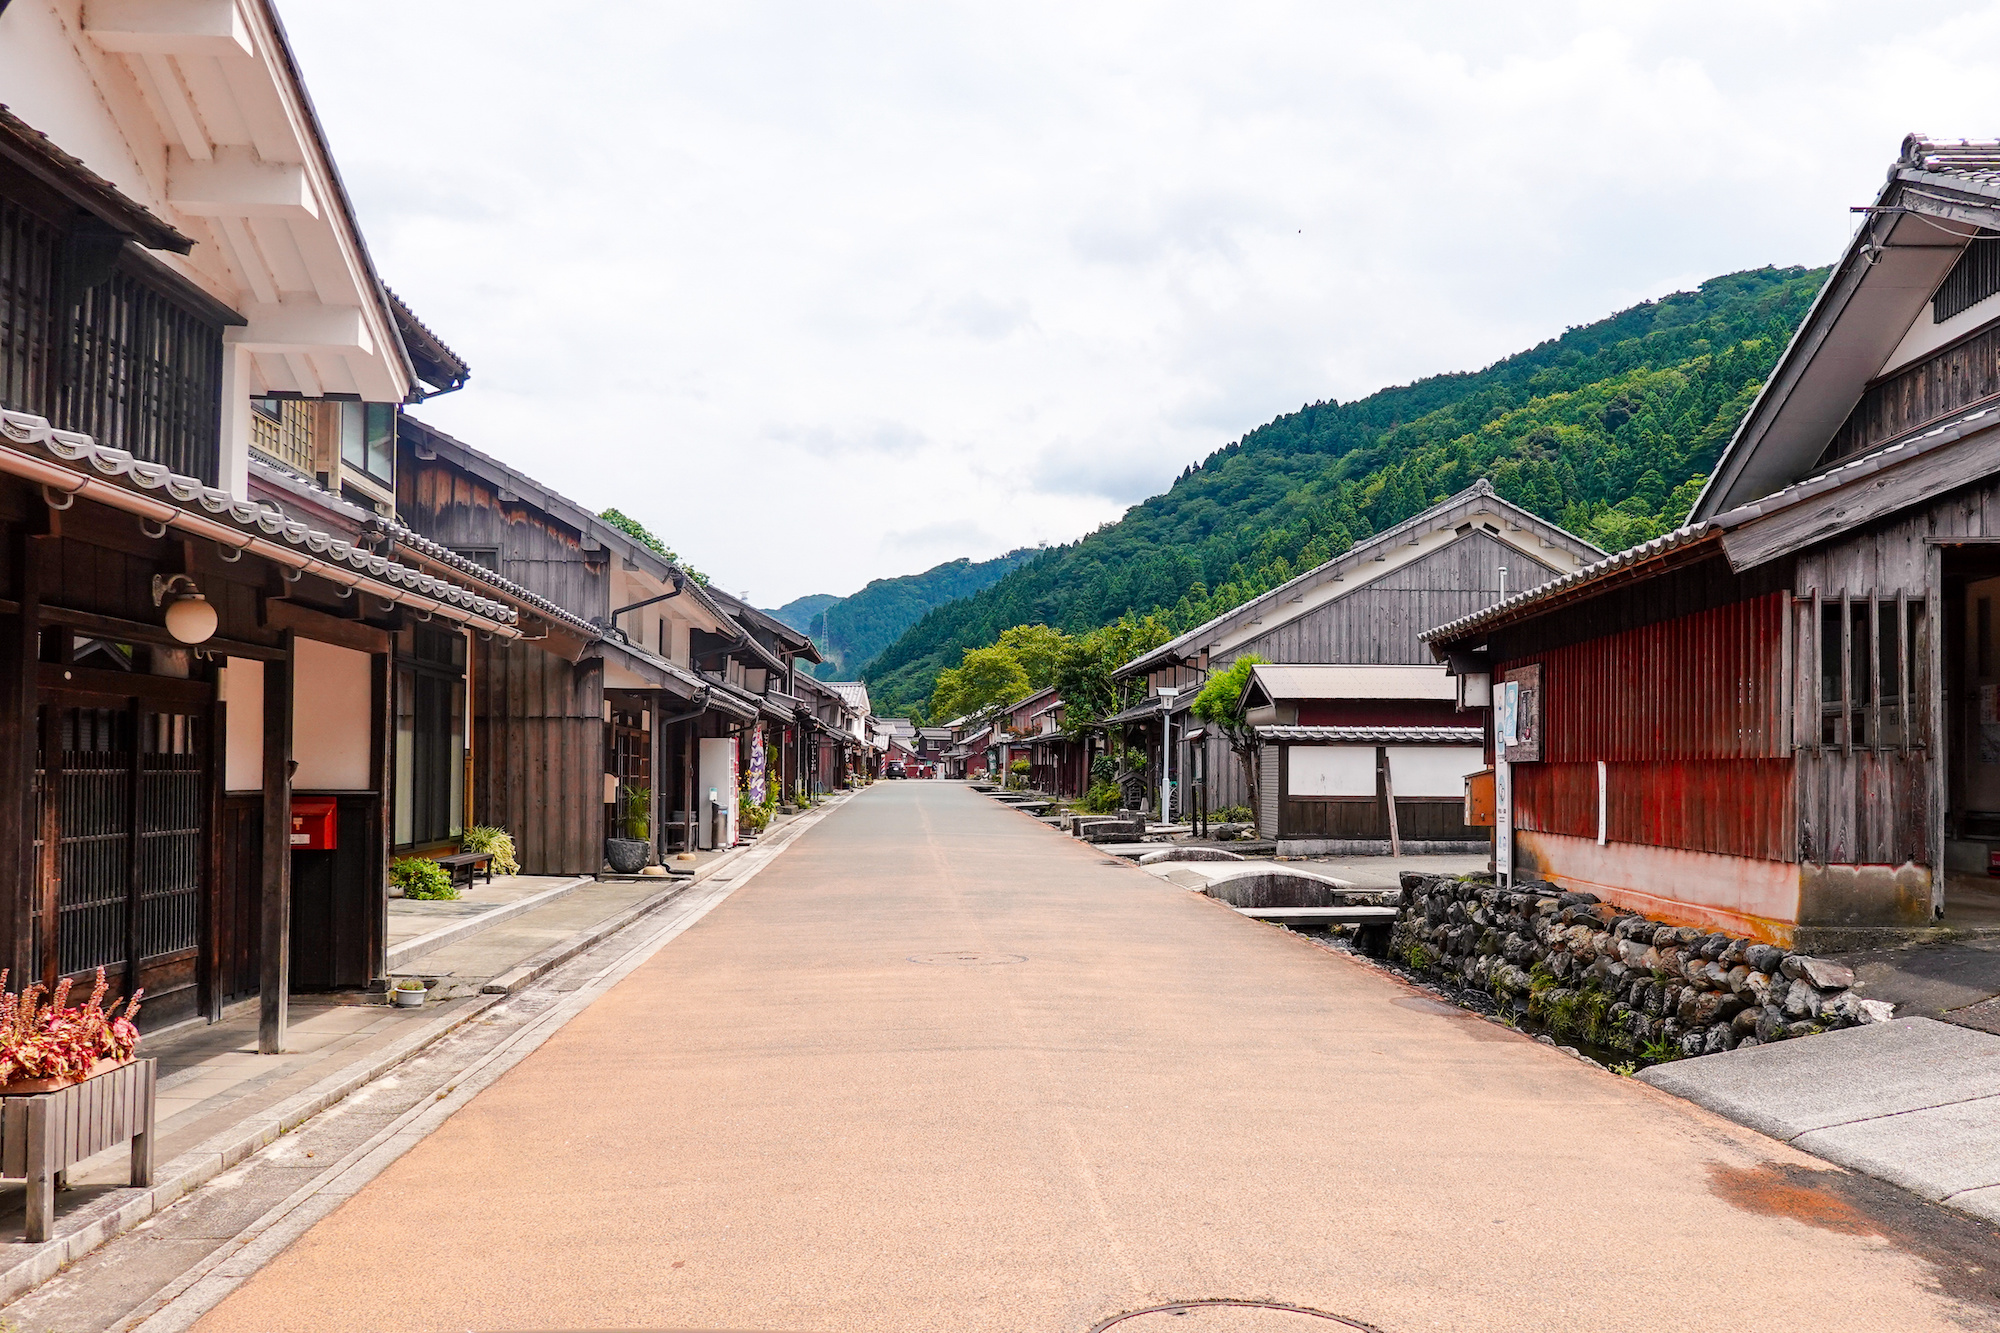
[966, 958]
[1228, 1316]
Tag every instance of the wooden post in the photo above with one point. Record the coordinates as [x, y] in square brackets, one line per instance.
[49, 872]
[41, 1174]
[135, 808]
[381, 756]
[1389, 799]
[20, 654]
[208, 962]
[274, 978]
[689, 753]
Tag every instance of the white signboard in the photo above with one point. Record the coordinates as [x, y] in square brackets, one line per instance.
[1507, 711]
[1503, 821]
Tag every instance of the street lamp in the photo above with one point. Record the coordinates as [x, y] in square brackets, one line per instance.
[1167, 696]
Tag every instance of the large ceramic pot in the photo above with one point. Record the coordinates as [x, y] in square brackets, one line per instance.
[627, 855]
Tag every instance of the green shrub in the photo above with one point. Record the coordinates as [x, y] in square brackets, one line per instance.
[497, 843]
[1102, 770]
[421, 877]
[1102, 799]
[1234, 814]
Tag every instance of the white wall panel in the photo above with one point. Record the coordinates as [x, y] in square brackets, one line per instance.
[1331, 770]
[1433, 770]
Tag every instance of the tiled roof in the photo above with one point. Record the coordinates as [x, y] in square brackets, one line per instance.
[1974, 160]
[1378, 735]
[36, 153]
[251, 517]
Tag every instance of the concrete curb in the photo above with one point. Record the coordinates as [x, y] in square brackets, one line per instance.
[412, 949]
[102, 1219]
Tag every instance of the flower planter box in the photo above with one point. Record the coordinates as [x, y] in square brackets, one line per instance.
[43, 1134]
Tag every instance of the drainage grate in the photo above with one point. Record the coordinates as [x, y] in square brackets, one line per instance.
[966, 958]
[1222, 1314]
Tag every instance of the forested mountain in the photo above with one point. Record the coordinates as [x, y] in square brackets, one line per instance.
[800, 611]
[1607, 430]
[850, 631]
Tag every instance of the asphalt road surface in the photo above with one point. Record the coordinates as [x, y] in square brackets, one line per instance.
[940, 1068]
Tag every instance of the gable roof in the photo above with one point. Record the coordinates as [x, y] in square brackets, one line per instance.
[1937, 195]
[1373, 558]
[1272, 683]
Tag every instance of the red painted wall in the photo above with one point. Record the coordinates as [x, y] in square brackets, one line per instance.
[1689, 716]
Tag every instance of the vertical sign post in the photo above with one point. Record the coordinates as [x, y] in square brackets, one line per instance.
[1506, 720]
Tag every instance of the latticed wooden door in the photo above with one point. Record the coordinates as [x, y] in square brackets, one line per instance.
[120, 794]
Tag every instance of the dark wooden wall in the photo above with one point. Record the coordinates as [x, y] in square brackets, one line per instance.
[538, 755]
[1949, 381]
[538, 741]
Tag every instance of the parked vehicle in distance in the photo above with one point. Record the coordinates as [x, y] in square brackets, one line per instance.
[893, 771]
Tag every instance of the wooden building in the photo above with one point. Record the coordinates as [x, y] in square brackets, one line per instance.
[643, 683]
[1780, 720]
[1363, 760]
[1366, 607]
[201, 663]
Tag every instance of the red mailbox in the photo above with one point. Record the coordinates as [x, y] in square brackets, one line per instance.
[315, 827]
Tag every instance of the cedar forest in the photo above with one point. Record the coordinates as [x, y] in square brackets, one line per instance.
[1608, 431]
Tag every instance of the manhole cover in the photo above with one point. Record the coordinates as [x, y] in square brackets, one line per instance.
[967, 958]
[1227, 1316]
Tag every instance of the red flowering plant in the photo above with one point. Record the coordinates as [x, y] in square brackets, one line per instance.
[45, 1039]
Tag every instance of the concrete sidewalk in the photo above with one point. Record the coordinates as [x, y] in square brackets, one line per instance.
[1914, 1102]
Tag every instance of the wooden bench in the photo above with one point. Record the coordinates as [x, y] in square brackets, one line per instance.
[464, 866]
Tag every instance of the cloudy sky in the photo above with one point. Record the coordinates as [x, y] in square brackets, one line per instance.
[826, 292]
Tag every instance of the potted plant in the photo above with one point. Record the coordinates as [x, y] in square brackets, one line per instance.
[628, 855]
[422, 879]
[46, 1045]
[74, 1088]
[497, 843]
[409, 992]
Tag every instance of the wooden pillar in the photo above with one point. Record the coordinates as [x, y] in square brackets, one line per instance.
[209, 980]
[381, 756]
[656, 762]
[20, 656]
[274, 978]
[690, 751]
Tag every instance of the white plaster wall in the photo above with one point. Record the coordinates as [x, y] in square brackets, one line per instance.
[1433, 770]
[1330, 770]
[330, 717]
[243, 748]
[90, 106]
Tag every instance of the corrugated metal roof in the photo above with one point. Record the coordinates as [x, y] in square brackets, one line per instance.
[1281, 681]
[1378, 735]
[853, 693]
[1679, 537]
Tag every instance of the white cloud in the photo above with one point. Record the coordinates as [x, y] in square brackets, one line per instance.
[827, 293]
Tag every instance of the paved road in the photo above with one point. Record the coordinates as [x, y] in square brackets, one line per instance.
[1096, 1093]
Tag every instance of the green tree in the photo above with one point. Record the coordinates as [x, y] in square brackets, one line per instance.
[1083, 672]
[1216, 706]
[1037, 648]
[643, 535]
[984, 677]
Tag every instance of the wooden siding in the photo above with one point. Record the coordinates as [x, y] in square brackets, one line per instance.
[1377, 624]
[1948, 382]
[456, 509]
[538, 756]
[1865, 805]
[1691, 716]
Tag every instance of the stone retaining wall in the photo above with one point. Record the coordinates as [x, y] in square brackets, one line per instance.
[1597, 973]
